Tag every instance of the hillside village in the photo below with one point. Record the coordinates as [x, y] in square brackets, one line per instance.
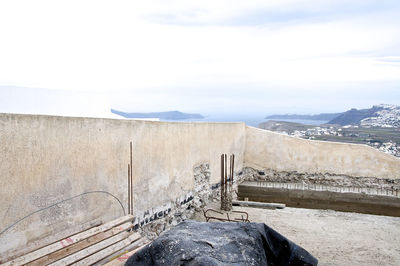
[381, 129]
[318, 133]
[389, 116]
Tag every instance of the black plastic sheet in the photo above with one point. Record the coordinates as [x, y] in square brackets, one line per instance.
[200, 243]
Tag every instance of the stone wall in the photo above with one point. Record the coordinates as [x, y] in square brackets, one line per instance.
[156, 220]
[326, 179]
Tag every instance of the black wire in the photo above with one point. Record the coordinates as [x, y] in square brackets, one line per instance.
[89, 192]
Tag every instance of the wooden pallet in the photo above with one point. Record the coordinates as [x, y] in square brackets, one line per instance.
[98, 244]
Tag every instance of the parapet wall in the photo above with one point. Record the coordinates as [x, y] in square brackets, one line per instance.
[278, 152]
[75, 170]
[47, 159]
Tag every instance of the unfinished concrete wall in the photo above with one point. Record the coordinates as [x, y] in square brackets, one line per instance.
[278, 152]
[74, 170]
[47, 160]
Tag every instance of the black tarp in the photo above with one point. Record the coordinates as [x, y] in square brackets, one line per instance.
[200, 243]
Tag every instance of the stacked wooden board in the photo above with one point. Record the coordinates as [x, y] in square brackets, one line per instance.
[99, 244]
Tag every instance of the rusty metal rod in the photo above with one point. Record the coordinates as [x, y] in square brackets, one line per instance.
[222, 177]
[230, 173]
[230, 167]
[226, 174]
[131, 181]
[129, 189]
[233, 166]
[228, 219]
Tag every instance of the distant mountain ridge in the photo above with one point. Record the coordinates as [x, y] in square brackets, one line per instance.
[170, 115]
[354, 116]
[388, 116]
[383, 115]
[320, 117]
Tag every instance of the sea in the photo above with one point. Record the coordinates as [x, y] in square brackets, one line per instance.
[250, 120]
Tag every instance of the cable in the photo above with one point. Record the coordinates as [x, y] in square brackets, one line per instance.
[85, 193]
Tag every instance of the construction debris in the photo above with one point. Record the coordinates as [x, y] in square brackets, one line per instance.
[258, 204]
[236, 216]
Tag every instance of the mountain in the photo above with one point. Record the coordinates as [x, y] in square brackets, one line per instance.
[383, 115]
[377, 116]
[171, 115]
[320, 117]
[354, 116]
[389, 116]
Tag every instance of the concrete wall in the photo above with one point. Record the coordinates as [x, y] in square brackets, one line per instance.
[269, 150]
[47, 159]
[314, 199]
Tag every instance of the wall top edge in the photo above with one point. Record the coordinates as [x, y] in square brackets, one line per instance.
[334, 143]
[16, 115]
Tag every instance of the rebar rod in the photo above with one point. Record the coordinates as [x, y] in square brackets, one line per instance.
[129, 189]
[233, 166]
[226, 177]
[131, 180]
[222, 177]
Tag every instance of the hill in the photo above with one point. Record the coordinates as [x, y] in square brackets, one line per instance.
[354, 116]
[282, 126]
[383, 115]
[171, 115]
[377, 116]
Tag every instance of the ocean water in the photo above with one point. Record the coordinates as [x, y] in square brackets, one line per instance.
[303, 121]
[250, 120]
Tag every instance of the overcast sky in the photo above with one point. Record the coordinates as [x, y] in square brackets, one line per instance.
[84, 57]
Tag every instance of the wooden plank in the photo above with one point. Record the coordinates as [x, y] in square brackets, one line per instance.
[258, 204]
[59, 254]
[91, 249]
[35, 245]
[139, 243]
[107, 251]
[122, 259]
[67, 241]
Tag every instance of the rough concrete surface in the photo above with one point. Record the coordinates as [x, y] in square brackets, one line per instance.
[47, 159]
[266, 149]
[334, 238]
[327, 179]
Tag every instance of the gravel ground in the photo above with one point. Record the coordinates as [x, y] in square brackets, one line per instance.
[335, 238]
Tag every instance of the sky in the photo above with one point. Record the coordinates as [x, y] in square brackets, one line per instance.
[81, 58]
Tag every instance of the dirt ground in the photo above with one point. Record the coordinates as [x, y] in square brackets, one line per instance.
[335, 238]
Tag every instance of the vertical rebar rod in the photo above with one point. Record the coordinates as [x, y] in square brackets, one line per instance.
[131, 181]
[226, 177]
[129, 189]
[230, 173]
[222, 177]
[230, 168]
[233, 166]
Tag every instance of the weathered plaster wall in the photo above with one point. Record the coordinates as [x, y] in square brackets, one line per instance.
[270, 150]
[47, 159]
